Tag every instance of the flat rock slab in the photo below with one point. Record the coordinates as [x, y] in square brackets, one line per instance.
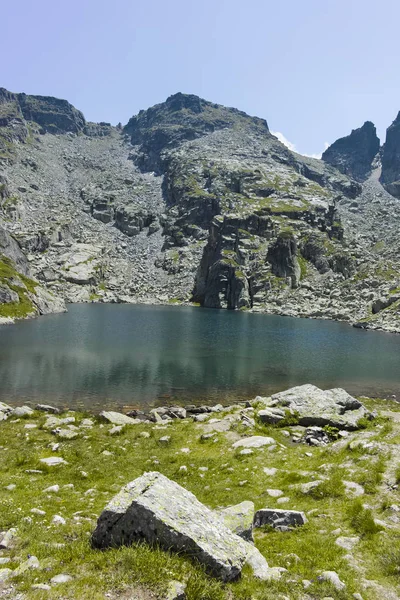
[255, 441]
[117, 418]
[277, 517]
[239, 519]
[53, 461]
[313, 406]
[160, 511]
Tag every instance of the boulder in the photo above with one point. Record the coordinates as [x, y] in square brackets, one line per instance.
[158, 510]
[313, 406]
[279, 518]
[239, 519]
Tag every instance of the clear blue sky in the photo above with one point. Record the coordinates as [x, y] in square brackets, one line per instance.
[315, 69]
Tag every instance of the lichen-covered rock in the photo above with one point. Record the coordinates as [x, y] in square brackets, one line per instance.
[313, 406]
[160, 511]
[239, 519]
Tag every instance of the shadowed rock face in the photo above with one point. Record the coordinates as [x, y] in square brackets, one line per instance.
[353, 154]
[51, 114]
[390, 177]
[283, 258]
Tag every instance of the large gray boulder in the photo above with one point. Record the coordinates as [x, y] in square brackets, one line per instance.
[158, 510]
[313, 406]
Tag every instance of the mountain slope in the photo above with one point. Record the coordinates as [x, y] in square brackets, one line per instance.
[189, 201]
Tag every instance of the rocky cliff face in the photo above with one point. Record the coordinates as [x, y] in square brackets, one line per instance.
[190, 201]
[353, 155]
[390, 177]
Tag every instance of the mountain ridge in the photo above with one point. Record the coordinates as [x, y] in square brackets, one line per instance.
[193, 201]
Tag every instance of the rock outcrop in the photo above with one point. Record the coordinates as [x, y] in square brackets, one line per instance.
[390, 177]
[312, 406]
[193, 201]
[353, 155]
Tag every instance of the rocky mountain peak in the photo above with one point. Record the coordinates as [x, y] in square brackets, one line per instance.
[181, 118]
[390, 177]
[353, 155]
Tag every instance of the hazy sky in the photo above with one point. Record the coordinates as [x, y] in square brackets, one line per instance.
[315, 69]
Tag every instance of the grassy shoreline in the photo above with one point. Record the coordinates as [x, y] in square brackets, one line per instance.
[98, 464]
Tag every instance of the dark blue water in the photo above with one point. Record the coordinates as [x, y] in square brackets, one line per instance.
[116, 355]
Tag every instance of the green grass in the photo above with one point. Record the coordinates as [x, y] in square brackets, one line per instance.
[24, 307]
[231, 478]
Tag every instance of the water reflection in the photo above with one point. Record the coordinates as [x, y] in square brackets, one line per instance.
[137, 355]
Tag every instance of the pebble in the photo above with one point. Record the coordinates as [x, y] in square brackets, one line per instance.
[58, 520]
[62, 578]
[10, 487]
[38, 511]
[275, 493]
[52, 488]
[53, 461]
[144, 434]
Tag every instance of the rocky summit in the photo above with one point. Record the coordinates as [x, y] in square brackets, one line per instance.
[191, 201]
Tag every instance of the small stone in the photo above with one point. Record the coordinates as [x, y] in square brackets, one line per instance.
[116, 430]
[65, 434]
[41, 586]
[28, 565]
[86, 423]
[58, 520]
[283, 500]
[117, 418]
[333, 578]
[5, 574]
[38, 511]
[176, 591]
[55, 447]
[275, 493]
[347, 543]
[270, 471]
[22, 411]
[185, 450]
[278, 518]
[30, 426]
[10, 487]
[107, 453]
[144, 434]
[165, 440]
[53, 461]
[62, 578]
[246, 451]
[255, 441]
[47, 408]
[183, 469]
[4, 560]
[52, 488]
